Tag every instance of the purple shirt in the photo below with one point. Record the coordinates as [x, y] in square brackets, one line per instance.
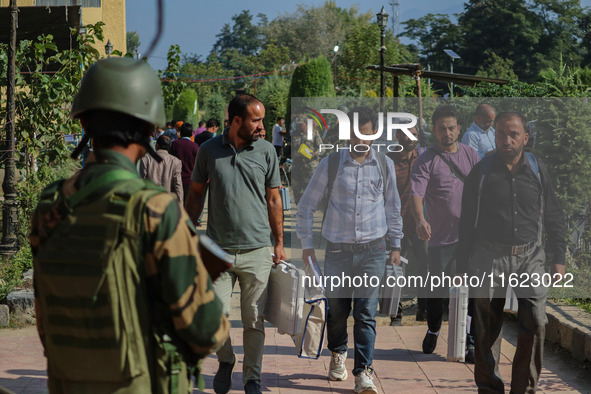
[198, 131]
[433, 181]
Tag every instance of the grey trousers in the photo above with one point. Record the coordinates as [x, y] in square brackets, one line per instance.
[531, 320]
[251, 269]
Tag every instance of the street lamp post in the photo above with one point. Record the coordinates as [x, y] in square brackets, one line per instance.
[109, 48]
[382, 23]
[10, 207]
[453, 56]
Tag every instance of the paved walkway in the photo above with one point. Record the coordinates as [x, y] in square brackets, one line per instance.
[400, 365]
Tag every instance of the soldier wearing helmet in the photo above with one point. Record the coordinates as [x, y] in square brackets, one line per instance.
[123, 301]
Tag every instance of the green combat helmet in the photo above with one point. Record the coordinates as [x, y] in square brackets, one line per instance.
[123, 85]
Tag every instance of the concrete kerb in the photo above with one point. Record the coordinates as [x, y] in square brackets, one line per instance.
[569, 326]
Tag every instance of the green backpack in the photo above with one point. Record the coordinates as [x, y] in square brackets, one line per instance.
[97, 319]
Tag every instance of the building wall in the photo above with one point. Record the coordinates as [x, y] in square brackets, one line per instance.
[111, 12]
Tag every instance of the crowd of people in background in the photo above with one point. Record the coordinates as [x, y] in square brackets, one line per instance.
[178, 145]
[456, 207]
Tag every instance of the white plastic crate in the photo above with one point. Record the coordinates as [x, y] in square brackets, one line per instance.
[391, 293]
[510, 301]
[285, 299]
[456, 336]
[285, 200]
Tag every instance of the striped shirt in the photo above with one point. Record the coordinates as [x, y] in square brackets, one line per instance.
[356, 212]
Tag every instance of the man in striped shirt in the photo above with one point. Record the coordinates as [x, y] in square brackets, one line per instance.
[362, 222]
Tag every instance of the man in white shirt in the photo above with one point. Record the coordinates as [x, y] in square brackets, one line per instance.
[278, 134]
[481, 135]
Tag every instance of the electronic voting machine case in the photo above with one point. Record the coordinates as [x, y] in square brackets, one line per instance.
[285, 298]
[458, 312]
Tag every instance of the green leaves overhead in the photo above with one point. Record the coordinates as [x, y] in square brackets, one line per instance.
[505, 38]
[46, 83]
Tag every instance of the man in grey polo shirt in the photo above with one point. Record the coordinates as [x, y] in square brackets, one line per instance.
[244, 204]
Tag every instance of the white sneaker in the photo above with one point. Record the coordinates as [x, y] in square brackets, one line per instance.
[364, 382]
[337, 369]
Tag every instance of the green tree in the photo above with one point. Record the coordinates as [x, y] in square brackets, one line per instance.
[584, 23]
[172, 82]
[243, 35]
[360, 49]
[274, 95]
[215, 107]
[205, 77]
[495, 66]
[43, 99]
[517, 40]
[133, 41]
[562, 34]
[313, 79]
[311, 31]
[434, 33]
[184, 108]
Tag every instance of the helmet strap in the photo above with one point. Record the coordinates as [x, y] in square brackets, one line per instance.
[146, 144]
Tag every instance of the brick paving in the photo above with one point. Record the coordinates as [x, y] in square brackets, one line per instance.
[399, 364]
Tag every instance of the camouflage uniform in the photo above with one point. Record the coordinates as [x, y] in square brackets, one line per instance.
[175, 277]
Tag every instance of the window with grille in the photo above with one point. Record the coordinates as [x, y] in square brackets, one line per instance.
[54, 3]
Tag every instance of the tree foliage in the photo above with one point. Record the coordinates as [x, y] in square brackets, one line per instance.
[310, 32]
[360, 49]
[133, 41]
[172, 83]
[312, 79]
[517, 40]
[243, 36]
[434, 33]
[274, 95]
[43, 96]
[215, 107]
[503, 38]
[184, 107]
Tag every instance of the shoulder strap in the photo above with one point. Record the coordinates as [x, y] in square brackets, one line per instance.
[454, 169]
[103, 180]
[333, 169]
[533, 163]
[384, 170]
[485, 168]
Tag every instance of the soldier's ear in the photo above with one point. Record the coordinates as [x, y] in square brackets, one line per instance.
[83, 122]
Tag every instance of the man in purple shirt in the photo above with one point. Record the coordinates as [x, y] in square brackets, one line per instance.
[200, 129]
[437, 181]
[186, 151]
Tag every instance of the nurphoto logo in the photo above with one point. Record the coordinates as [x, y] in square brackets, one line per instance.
[394, 121]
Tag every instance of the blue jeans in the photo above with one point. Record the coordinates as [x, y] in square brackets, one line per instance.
[371, 262]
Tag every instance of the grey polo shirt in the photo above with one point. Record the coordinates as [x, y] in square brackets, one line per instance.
[237, 213]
